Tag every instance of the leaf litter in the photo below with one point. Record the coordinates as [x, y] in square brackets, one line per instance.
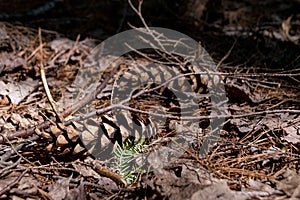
[256, 157]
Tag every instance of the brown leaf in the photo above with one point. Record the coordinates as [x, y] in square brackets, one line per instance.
[218, 191]
[17, 91]
[60, 189]
[290, 184]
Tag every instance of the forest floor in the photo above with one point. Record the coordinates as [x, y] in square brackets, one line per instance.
[255, 156]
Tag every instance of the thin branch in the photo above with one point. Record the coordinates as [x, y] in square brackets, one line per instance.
[139, 13]
[13, 183]
[252, 114]
[121, 106]
[91, 96]
[227, 55]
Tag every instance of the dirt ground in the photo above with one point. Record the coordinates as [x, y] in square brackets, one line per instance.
[256, 48]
